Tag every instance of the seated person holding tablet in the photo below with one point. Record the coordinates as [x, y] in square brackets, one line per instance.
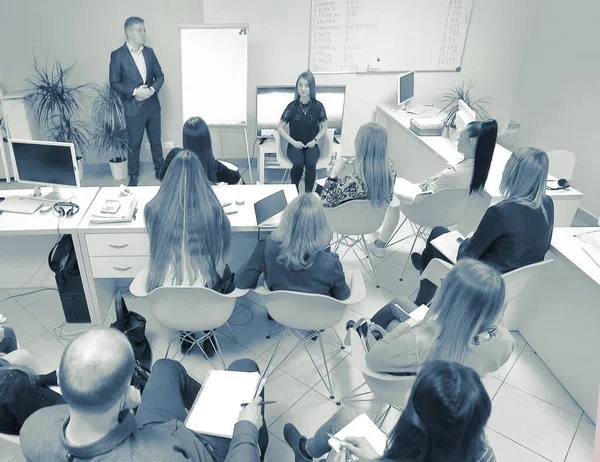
[373, 177]
[97, 422]
[296, 255]
[513, 233]
[189, 232]
[444, 421]
[462, 325]
[476, 142]
[196, 138]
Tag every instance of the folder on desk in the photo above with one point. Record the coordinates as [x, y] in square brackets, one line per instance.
[267, 210]
[361, 426]
[217, 407]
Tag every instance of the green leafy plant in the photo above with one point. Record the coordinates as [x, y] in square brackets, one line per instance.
[57, 105]
[109, 129]
[464, 92]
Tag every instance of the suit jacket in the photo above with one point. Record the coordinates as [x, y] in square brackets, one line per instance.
[124, 77]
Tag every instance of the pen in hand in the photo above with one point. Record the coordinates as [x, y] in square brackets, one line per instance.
[262, 403]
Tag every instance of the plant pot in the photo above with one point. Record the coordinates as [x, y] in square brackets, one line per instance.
[118, 169]
[80, 167]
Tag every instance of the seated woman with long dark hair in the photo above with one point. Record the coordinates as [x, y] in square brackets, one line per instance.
[196, 138]
[513, 233]
[476, 143]
[443, 421]
[188, 229]
[463, 325]
[296, 255]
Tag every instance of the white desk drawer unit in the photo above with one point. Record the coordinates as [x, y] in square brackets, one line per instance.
[118, 267]
[113, 245]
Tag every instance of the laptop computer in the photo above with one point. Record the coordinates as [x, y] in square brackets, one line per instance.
[267, 209]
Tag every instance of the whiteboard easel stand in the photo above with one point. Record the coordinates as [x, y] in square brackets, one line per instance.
[244, 127]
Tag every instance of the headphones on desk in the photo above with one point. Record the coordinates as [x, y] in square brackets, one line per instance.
[66, 209]
[563, 183]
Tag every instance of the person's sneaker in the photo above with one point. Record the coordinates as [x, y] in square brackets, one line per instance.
[133, 180]
[350, 324]
[415, 259]
[186, 342]
[296, 441]
[379, 252]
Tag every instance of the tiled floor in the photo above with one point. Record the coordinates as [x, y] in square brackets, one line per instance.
[533, 417]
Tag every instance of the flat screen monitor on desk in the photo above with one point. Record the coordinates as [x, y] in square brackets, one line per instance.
[45, 163]
[406, 88]
[272, 101]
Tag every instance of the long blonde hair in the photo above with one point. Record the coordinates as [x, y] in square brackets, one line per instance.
[302, 233]
[469, 301]
[186, 223]
[372, 165]
[524, 178]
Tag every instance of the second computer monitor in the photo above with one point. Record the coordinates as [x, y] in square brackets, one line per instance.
[45, 163]
[271, 102]
[406, 87]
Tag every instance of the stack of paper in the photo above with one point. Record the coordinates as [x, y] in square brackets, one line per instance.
[218, 405]
[448, 244]
[125, 208]
[361, 426]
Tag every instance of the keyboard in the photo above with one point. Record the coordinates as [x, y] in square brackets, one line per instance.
[18, 204]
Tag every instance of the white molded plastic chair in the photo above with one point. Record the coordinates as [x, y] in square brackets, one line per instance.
[446, 207]
[390, 389]
[562, 163]
[325, 147]
[515, 282]
[24, 358]
[312, 312]
[188, 309]
[352, 220]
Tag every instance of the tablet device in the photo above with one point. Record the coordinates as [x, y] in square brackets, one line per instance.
[269, 207]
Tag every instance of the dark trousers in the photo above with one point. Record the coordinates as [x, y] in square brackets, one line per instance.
[136, 125]
[427, 288]
[304, 158]
[170, 391]
[9, 342]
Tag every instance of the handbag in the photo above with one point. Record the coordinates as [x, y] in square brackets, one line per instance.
[140, 377]
[133, 325]
[369, 332]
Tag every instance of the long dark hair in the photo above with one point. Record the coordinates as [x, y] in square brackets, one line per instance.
[196, 138]
[444, 418]
[312, 86]
[486, 133]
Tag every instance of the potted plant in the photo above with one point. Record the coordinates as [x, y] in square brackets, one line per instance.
[57, 106]
[109, 130]
[451, 98]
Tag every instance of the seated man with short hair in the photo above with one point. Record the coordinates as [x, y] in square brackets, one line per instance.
[97, 422]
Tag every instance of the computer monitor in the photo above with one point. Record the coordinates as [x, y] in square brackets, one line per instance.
[406, 88]
[271, 102]
[45, 163]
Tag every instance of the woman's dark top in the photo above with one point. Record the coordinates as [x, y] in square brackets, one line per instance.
[20, 396]
[304, 119]
[511, 235]
[325, 276]
[223, 174]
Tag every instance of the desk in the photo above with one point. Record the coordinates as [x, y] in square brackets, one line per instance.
[25, 241]
[115, 252]
[558, 314]
[418, 157]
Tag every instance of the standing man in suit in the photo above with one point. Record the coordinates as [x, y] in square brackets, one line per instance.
[136, 75]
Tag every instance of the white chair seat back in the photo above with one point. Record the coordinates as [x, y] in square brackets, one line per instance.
[354, 218]
[562, 163]
[517, 280]
[446, 207]
[325, 147]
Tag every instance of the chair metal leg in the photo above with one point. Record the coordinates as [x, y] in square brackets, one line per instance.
[379, 421]
[231, 332]
[368, 254]
[330, 388]
[273, 329]
[410, 253]
[285, 332]
[389, 243]
[342, 346]
[217, 348]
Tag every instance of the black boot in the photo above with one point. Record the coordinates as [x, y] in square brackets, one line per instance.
[187, 341]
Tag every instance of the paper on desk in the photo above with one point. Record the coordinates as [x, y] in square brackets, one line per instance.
[361, 426]
[218, 405]
[448, 244]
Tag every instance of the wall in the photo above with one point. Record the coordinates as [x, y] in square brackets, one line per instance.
[87, 31]
[278, 52]
[558, 98]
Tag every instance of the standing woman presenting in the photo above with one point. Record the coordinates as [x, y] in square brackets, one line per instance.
[308, 124]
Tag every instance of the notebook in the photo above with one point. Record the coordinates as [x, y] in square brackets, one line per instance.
[20, 204]
[448, 244]
[267, 209]
[217, 407]
[361, 426]
[114, 210]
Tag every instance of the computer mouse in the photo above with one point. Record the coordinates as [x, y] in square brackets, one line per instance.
[240, 201]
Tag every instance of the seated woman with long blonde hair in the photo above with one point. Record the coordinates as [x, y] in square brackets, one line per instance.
[296, 256]
[188, 229]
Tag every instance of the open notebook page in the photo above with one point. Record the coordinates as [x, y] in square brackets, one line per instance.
[361, 426]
